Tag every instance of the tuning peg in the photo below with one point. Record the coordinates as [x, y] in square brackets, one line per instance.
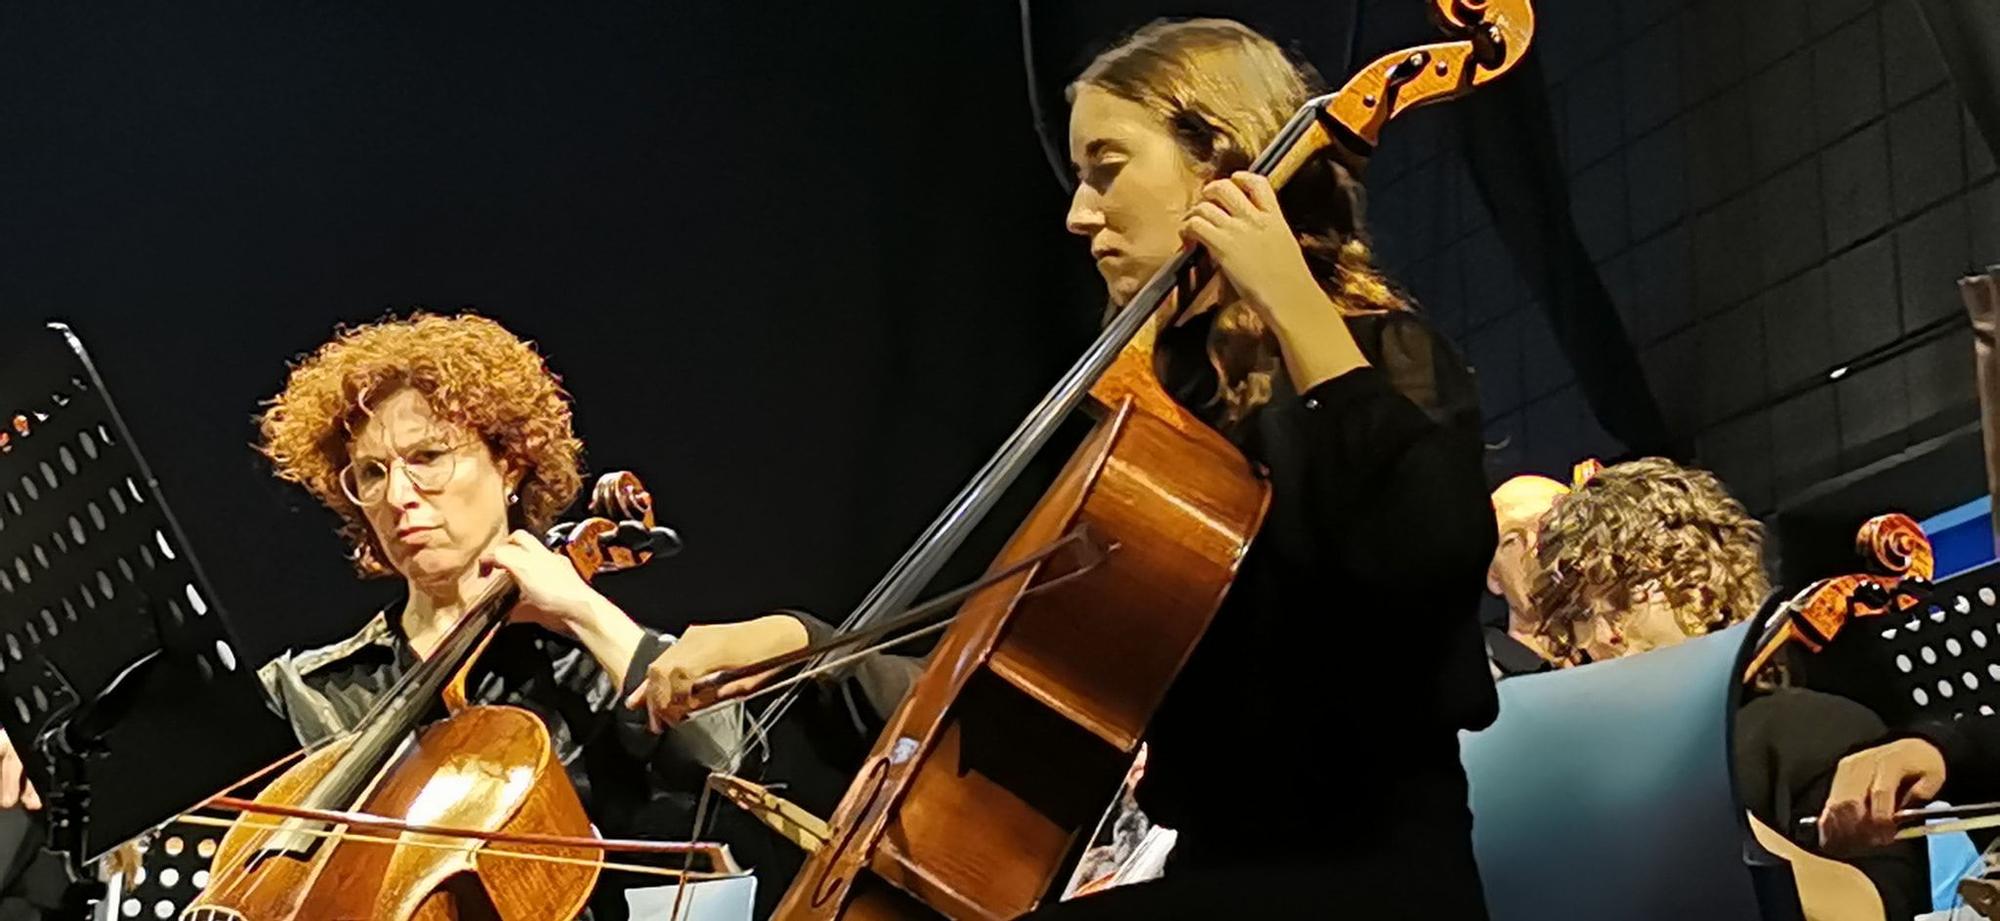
[657, 540]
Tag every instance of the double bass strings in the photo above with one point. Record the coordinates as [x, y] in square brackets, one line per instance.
[926, 608]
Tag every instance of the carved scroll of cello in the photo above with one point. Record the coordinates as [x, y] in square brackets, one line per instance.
[486, 822]
[1900, 565]
[1029, 711]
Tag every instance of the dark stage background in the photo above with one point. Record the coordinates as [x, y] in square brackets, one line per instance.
[800, 265]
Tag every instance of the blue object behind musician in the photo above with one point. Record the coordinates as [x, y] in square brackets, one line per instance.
[1605, 791]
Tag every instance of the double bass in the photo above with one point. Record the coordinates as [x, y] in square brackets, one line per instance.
[1031, 708]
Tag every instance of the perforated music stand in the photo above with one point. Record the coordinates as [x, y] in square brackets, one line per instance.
[1939, 661]
[119, 679]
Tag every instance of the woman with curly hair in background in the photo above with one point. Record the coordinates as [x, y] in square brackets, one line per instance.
[1644, 555]
[1648, 554]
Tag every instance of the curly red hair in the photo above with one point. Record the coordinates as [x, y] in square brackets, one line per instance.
[469, 369]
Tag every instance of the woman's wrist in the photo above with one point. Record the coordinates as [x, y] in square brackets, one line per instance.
[779, 634]
[611, 635]
[1313, 337]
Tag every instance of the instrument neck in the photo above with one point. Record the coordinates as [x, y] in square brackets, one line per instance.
[377, 736]
[921, 563]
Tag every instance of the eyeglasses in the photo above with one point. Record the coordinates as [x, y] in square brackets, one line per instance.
[429, 467]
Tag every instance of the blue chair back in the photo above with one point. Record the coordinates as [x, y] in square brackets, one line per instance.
[1605, 792]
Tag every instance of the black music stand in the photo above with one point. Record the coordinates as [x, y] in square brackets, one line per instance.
[120, 683]
[1938, 661]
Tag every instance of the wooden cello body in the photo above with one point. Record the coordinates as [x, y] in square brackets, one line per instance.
[1032, 708]
[484, 768]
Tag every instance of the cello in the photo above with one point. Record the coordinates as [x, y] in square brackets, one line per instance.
[474, 818]
[1895, 582]
[1032, 706]
[1899, 567]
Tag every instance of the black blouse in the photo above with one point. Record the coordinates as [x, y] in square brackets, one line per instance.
[633, 783]
[1348, 654]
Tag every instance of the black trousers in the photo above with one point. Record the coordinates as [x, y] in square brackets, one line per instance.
[1401, 869]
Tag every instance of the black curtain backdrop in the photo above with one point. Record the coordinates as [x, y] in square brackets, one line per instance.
[801, 265]
[1968, 37]
[1508, 137]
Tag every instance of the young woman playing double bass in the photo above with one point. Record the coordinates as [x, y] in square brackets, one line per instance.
[1308, 754]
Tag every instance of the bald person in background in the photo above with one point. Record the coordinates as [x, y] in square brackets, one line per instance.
[1518, 505]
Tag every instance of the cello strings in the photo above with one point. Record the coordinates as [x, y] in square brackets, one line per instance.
[759, 727]
[830, 665]
[907, 637]
[777, 709]
[488, 851]
[682, 897]
[299, 755]
[461, 631]
[252, 778]
[266, 831]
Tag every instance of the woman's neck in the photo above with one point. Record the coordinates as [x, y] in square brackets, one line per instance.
[433, 608]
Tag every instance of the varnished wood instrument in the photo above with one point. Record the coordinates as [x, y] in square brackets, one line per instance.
[472, 816]
[1029, 711]
[1899, 569]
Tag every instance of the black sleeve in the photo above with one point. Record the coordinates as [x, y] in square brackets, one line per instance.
[1788, 744]
[629, 724]
[1422, 365]
[1398, 499]
[1971, 749]
[679, 758]
[879, 681]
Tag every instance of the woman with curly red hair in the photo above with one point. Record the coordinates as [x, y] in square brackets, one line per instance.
[445, 446]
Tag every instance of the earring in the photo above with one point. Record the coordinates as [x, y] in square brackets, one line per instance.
[513, 498]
